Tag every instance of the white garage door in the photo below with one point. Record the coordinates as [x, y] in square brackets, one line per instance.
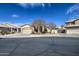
[27, 31]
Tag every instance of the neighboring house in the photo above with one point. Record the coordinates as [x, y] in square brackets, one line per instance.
[8, 28]
[12, 27]
[72, 26]
[3, 28]
[26, 29]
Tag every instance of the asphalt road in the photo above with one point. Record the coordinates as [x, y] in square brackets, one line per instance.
[39, 46]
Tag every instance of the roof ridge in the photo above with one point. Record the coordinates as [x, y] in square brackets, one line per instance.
[72, 20]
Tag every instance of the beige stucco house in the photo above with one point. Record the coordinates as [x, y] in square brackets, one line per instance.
[72, 26]
[26, 29]
[9, 28]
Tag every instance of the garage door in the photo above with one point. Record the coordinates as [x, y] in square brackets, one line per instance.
[27, 31]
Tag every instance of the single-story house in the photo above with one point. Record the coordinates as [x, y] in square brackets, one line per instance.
[28, 29]
[72, 26]
[9, 28]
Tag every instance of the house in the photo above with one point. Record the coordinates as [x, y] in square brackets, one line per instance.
[72, 26]
[8, 28]
[26, 29]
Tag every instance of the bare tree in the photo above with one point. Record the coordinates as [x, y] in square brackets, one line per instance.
[38, 25]
[62, 29]
[62, 26]
[51, 26]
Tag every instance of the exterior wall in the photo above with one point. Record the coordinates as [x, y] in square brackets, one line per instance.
[26, 29]
[8, 29]
[48, 30]
[54, 31]
[77, 22]
[73, 31]
[68, 24]
[4, 29]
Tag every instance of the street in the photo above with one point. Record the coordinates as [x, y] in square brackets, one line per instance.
[39, 46]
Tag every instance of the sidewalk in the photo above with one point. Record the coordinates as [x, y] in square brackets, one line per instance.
[38, 35]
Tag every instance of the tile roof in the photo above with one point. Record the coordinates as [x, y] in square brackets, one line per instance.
[7, 25]
[26, 25]
[71, 20]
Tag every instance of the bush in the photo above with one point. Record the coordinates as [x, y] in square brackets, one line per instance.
[2, 32]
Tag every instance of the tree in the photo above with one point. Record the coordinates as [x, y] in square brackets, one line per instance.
[38, 25]
[62, 29]
[62, 26]
[51, 26]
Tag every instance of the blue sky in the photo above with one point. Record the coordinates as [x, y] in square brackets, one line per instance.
[20, 13]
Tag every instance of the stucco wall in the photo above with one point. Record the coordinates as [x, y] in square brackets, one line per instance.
[77, 22]
[26, 30]
[73, 31]
[54, 31]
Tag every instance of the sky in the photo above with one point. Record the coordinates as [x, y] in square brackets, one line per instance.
[25, 13]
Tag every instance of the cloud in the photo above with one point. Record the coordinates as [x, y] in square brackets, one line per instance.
[73, 11]
[74, 8]
[15, 16]
[26, 5]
